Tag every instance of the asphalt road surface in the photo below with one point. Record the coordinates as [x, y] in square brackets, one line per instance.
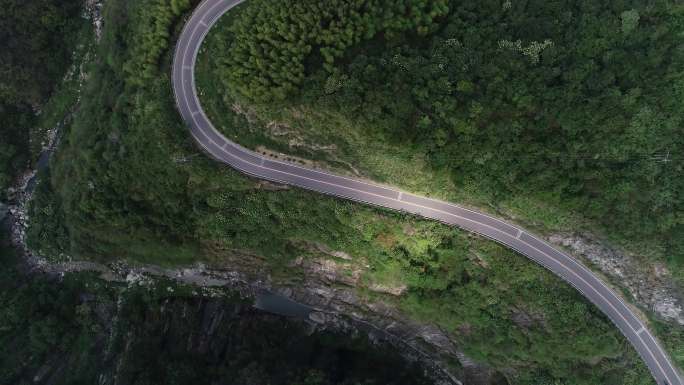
[513, 237]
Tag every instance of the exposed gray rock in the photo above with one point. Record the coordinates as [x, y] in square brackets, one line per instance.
[93, 12]
[387, 289]
[337, 306]
[650, 285]
[318, 317]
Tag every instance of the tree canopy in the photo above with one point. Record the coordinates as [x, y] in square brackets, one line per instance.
[576, 104]
[273, 40]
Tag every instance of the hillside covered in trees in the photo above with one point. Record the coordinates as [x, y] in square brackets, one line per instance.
[128, 182]
[574, 106]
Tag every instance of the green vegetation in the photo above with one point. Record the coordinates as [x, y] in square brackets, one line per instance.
[124, 137]
[267, 58]
[39, 325]
[148, 46]
[35, 51]
[501, 308]
[128, 183]
[79, 330]
[506, 312]
[566, 115]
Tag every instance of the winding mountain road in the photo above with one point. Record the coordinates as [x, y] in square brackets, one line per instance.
[219, 147]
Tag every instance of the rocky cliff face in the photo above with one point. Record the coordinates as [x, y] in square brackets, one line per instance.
[118, 334]
[330, 285]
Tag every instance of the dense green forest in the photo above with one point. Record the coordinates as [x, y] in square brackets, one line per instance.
[80, 330]
[273, 65]
[35, 52]
[572, 105]
[128, 183]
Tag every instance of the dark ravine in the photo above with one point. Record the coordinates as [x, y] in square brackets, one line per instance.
[225, 151]
[325, 303]
[104, 341]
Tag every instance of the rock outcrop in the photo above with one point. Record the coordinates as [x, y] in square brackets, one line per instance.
[650, 284]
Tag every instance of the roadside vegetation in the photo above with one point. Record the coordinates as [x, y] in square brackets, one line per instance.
[128, 183]
[565, 116]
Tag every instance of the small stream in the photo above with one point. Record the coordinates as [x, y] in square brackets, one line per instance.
[42, 164]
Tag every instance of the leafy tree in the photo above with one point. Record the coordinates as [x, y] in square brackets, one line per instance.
[272, 40]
